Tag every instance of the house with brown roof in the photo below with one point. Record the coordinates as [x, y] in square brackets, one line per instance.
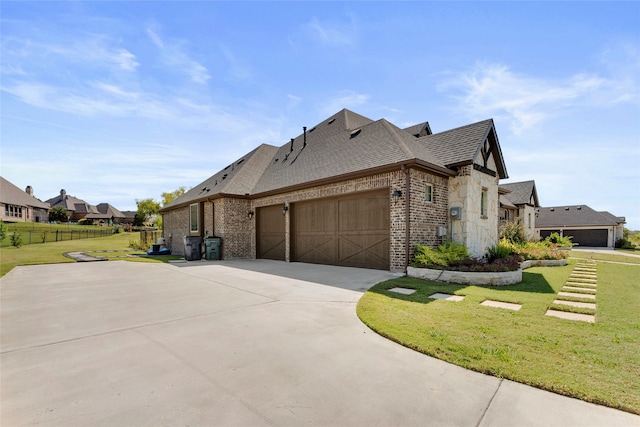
[586, 226]
[349, 191]
[518, 202]
[78, 208]
[20, 206]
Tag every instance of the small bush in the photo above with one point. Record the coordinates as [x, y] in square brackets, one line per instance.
[502, 250]
[556, 239]
[624, 244]
[3, 230]
[140, 246]
[428, 256]
[16, 239]
[513, 232]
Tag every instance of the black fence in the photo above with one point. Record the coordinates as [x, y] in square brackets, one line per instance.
[29, 237]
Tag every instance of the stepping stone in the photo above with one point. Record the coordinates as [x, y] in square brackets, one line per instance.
[500, 304]
[575, 304]
[575, 295]
[573, 288]
[404, 291]
[582, 280]
[586, 269]
[447, 297]
[590, 318]
[591, 285]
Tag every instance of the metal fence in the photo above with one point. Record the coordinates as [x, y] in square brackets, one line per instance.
[47, 236]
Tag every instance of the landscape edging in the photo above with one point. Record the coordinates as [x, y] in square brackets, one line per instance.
[481, 278]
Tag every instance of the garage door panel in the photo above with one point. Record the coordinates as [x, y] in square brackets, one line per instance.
[590, 237]
[270, 233]
[349, 231]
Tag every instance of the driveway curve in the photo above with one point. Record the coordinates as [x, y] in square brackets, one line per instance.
[243, 343]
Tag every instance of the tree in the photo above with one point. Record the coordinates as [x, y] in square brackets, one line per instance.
[170, 197]
[59, 213]
[3, 230]
[147, 208]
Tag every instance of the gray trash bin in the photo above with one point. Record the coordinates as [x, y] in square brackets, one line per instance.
[192, 248]
[212, 248]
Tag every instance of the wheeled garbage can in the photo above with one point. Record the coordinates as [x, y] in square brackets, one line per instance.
[212, 248]
[192, 248]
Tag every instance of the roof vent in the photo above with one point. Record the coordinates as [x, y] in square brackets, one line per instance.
[276, 161]
[331, 121]
[240, 161]
[552, 209]
[224, 176]
[291, 147]
[579, 208]
[355, 133]
[566, 209]
[312, 129]
[304, 142]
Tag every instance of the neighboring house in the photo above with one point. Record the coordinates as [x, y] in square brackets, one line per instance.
[519, 200]
[129, 216]
[587, 226]
[106, 214]
[17, 205]
[349, 191]
[78, 209]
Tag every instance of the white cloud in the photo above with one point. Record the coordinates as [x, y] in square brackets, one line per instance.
[345, 99]
[494, 90]
[333, 33]
[173, 54]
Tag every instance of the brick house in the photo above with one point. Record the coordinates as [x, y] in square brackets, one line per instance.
[519, 201]
[349, 191]
[21, 206]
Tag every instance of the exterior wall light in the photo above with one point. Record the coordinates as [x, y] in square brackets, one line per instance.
[396, 195]
[285, 208]
[250, 214]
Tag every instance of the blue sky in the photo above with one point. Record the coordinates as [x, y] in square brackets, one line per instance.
[117, 101]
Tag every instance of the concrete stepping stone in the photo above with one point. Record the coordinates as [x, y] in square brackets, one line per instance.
[576, 295]
[574, 288]
[591, 305]
[501, 304]
[404, 291]
[447, 297]
[590, 318]
[582, 280]
[572, 283]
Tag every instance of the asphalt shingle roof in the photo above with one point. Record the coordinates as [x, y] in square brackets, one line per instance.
[12, 195]
[572, 216]
[343, 144]
[520, 192]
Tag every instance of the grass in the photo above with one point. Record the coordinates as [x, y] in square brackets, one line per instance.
[616, 256]
[599, 362]
[52, 253]
[38, 232]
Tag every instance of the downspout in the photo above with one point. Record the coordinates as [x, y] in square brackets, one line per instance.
[407, 217]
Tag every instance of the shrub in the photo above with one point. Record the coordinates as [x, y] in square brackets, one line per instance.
[502, 250]
[624, 244]
[513, 232]
[555, 238]
[453, 252]
[139, 245]
[427, 256]
[16, 239]
[3, 230]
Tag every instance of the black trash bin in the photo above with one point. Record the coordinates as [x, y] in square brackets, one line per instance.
[212, 248]
[192, 248]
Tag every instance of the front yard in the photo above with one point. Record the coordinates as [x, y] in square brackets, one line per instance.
[598, 362]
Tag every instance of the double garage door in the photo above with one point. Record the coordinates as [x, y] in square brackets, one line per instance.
[348, 231]
[586, 237]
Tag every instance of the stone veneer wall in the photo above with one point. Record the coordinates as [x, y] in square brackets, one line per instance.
[465, 190]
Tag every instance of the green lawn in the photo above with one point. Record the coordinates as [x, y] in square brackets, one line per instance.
[52, 253]
[598, 362]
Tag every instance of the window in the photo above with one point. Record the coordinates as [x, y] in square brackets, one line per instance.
[483, 203]
[428, 193]
[13, 211]
[194, 217]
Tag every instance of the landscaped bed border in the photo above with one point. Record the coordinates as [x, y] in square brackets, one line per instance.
[481, 278]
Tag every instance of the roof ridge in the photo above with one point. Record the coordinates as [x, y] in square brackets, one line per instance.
[397, 138]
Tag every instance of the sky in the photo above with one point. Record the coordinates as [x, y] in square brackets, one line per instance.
[121, 101]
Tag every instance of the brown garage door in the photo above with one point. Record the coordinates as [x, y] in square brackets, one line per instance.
[271, 233]
[349, 231]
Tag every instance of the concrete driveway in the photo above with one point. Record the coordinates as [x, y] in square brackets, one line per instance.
[245, 343]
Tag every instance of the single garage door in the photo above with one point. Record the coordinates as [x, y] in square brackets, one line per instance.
[592, 237]
[271, 233]
[349, 231]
